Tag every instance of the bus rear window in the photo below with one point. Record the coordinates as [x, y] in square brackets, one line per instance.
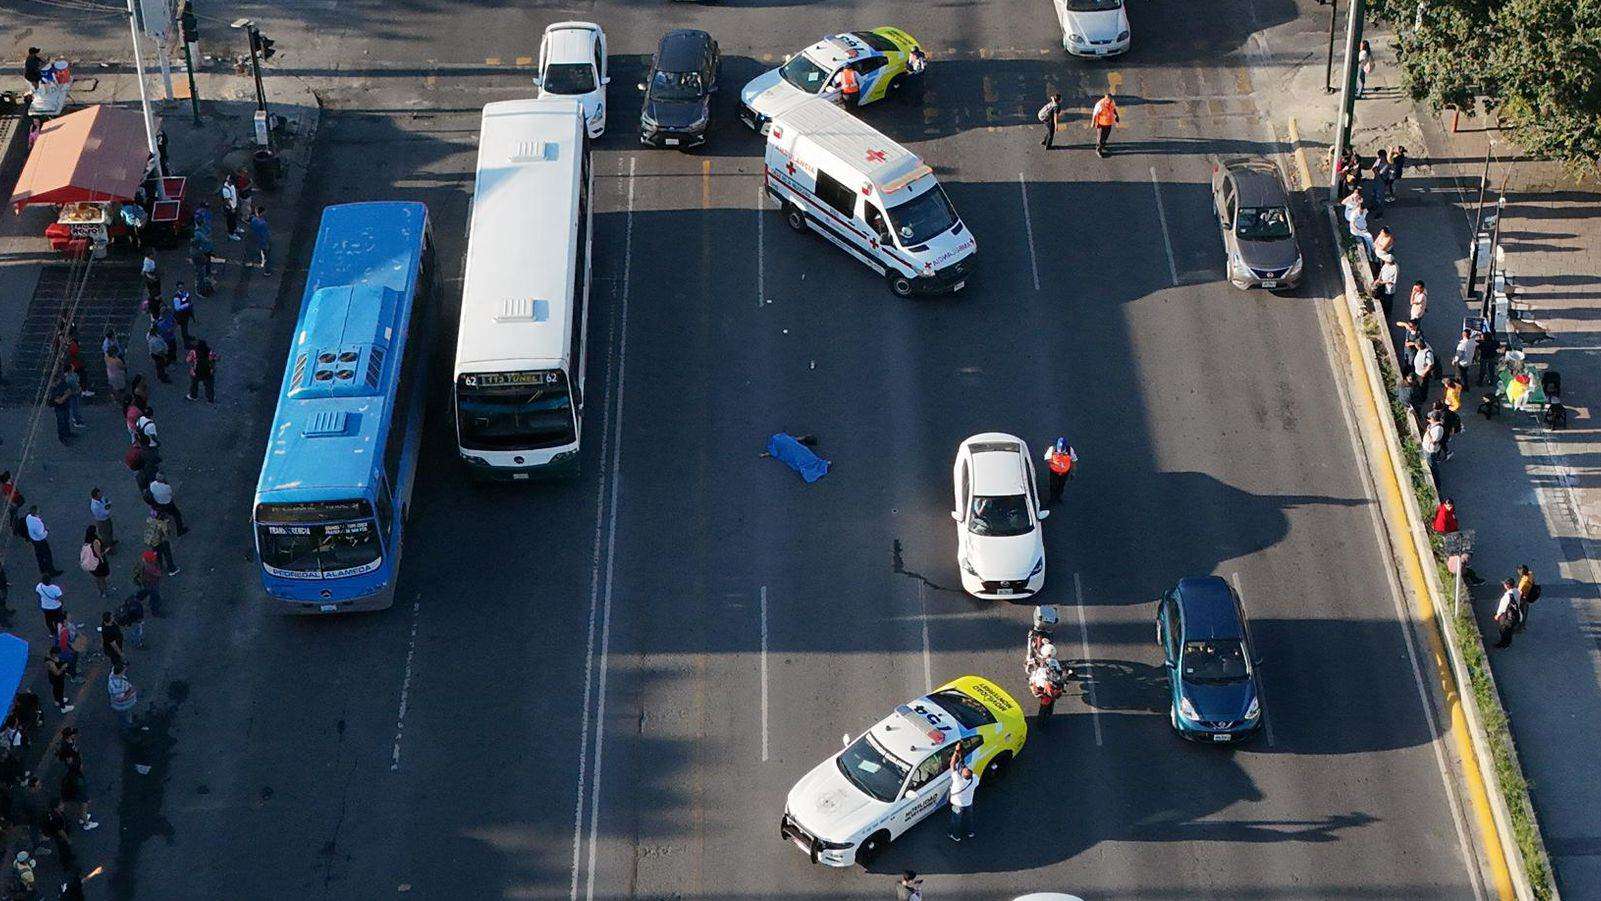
[507, 411]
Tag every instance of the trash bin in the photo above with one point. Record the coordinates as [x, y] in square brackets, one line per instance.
[266, 169]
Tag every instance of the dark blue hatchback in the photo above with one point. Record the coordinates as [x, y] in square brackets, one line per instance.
[1200, 626]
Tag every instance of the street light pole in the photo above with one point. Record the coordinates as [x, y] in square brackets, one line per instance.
[1342, 136]
[254, 39]
[1328, 68]
[1478, 224]
[144, 102]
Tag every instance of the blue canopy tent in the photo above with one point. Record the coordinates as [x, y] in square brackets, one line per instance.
[13, 661]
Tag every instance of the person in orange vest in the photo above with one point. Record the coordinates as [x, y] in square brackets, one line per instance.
[1061, 458]
[850, 86]
[1102, 118]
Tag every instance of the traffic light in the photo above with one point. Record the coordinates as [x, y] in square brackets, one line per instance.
[261, 44]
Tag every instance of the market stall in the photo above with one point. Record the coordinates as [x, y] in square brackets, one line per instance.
[94, 166]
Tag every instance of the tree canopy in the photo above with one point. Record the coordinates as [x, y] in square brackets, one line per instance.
[1538, 62]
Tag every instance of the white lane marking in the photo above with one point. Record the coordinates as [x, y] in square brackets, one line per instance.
[1028, 226]
[761, 245]
[922, 607]
[1084, 645]
[1161, 216]
[595, 570]
[405, 685]
[764, 673]
[611, 530]
[1261, 684]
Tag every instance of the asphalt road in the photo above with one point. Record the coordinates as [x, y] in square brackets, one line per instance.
[605, 688]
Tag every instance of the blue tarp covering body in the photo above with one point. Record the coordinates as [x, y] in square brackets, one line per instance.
[13, 661]
[785, 449]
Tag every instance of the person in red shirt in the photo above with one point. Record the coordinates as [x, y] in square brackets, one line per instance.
[1445, 521]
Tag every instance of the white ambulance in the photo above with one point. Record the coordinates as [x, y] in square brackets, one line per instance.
[875, 199]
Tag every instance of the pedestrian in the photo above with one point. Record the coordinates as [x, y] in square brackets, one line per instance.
[261, 236]
[147, 579]
[1352, 201]
[1397, 169]
[74, 786]
[1364, 67]
[72, 885]
[1424, 364]
[1406, 392]
[1103, 118]
[963, 785]
[1050, 116]
[200, 251]
[1489, 354]
[1452, 422]
[66, 642]
[183, 312]
[158, 538]
[39, 537]
[131, 617]
[1418, 303]
[55, 670]
[1392, 172]
[33, 68]
[1507, 613]
[1046, 684]
[1384, 286]
[1381, 175]
[246, 188]
[1528, 593]
[124, 696]
[1465, 346]
[158, 353]
[230, 206]
[13, 501]
[60, 399]
[1359, 230]
[100, 512]
[909, 888]
[92, 559]
[1453, 398]
[55, 829]
[167, 328]
[144, 430]
[152, 278]
[116, 368]
[21, 881]
[111, 638]
[203, 371]
[1384, 244]
[1060, 459]
[158, 494]
[27, 806]
[1433, 446]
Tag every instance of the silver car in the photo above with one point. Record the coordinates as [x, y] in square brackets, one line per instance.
[1253, 207]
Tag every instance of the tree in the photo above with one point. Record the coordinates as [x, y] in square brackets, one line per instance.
[1536, 61]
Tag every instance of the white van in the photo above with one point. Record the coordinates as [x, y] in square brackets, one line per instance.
[867, 194]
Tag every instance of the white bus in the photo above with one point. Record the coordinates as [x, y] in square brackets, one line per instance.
[520, 352]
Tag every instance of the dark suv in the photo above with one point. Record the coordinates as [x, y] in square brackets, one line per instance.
[1200, 626]
[678, 102]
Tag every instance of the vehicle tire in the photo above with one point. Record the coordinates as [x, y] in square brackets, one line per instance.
[795, 216]
[899, 284]
[871, 847]
[995, 771]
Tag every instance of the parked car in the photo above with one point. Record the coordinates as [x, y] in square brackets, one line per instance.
[1253, 207]
[1093, 27]
[1000, 547]
[572, 63]
[1206, 647]
[678, 90]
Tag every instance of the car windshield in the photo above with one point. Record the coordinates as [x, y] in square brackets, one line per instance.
[569, 78]
[1000, 515]
[676, 86]
[515, 410]
[872, 769]
[1215, 660]
[967, 711]
[925, 216]
[1263, 223]
[299, 541]
[804, 74]
[1089, 6]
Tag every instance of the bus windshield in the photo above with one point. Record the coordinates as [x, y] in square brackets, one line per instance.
[318, 540]
[515, 410]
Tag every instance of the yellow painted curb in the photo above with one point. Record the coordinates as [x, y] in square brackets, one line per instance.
[1412, 564]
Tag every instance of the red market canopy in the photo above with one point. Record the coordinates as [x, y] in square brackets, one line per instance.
[99, 153]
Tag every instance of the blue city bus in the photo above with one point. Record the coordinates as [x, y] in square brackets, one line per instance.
[336, 482]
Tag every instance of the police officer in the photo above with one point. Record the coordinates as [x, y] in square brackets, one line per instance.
[1102, 118]
[1060, 458]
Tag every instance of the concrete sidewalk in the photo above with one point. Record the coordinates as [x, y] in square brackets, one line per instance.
[126, 779]
[1530, 495]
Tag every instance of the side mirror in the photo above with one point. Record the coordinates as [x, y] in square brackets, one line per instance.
[911, 793]
[788, 57]
[539, 81]
[605, 81]
[1045, 514]
[641, 86]
[845, 740]
[956, 515]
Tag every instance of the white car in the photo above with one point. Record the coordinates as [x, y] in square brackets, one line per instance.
[572, 63]
[852, 805]
[1000, 547]
[1093, 27]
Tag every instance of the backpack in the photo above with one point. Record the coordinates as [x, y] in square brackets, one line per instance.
[87, 561]
[1534, 594]
[134, 458]
[1044, 115]
[131, 613]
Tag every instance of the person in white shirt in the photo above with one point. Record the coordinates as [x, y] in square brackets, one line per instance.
[230, 208]
[1433, 446]
[1359, 230]
[1507, 613]
[100, 513]
[1463, 358]
[963, 784]
[39, 537]
[50, 604]
[159, 496]
[1423, 362]
[1419, 301]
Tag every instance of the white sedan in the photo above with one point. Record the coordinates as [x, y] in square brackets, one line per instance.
[1000, 547]
[1093, 27]
[572, 63]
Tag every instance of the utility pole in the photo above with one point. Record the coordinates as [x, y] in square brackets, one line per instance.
[189, 33]
[1328, 68]
[1353, 41]
[1491, 265]
[144, 102]
[1478, 224]
[259, 47]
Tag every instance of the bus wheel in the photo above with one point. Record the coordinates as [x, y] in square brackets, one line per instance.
[795, 216]
[900, 284]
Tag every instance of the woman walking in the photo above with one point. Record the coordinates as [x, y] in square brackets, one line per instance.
[92, 559]
[56, 672]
